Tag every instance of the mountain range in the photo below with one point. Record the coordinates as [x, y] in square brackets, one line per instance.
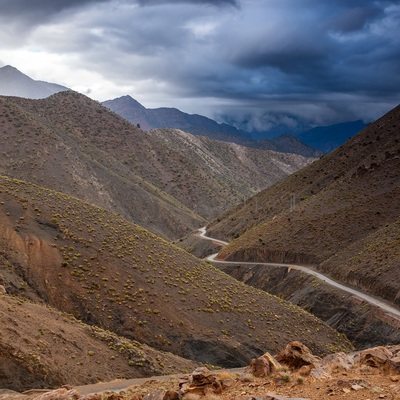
[199, 125]
[165, 180]
[312, 143]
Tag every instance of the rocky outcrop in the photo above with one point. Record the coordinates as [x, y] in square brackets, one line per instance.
[263, 366]
[201, 382]
[295, 355]
[381, 357]
[376, 357]
[337, 374]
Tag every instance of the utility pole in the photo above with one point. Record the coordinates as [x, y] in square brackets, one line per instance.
[292, 202]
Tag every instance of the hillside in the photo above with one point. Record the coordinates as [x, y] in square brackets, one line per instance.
[345, 220]
[43, 348]
[71, 143]
[15, 83]
[108, 272]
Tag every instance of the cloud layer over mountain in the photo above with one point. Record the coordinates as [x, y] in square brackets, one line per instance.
[254, 63]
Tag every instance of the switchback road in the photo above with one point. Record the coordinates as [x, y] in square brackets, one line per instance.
[363, 296]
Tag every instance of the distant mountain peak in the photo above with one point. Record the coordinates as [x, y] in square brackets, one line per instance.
[15, 83]
[124, 101]
[10, 68]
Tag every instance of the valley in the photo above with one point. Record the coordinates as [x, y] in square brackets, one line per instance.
[108, 272]
[103, 275]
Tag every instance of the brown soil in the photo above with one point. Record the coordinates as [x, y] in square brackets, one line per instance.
[375, 385]
[359, 383]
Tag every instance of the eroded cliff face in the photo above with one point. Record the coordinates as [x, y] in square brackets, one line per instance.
[363, 324]
[31, 256]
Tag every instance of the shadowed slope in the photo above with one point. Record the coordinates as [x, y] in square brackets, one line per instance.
[116, 275]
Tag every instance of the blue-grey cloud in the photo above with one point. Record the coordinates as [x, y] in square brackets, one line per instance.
[255, 63]
[38, 9]
[197, 2]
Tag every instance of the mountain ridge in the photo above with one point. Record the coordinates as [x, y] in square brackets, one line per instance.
[328, 138]
[199, 125]
[156, 178]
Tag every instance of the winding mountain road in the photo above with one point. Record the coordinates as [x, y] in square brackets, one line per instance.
[363, 296]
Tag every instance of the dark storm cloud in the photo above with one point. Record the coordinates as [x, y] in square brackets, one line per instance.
[39, 9]
[197, 2]
[260, 62]
[355, 18]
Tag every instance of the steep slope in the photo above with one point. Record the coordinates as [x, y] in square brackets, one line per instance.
[41, 348]
[15, 83]
[72, 144]
[208, 175]
[113, 274]
[346, 217]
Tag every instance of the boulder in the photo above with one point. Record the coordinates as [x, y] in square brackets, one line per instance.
[376, 357]
[262, 366]
[338, 361]
[393, 365]
[331, 363]
[201, 381]
[162, 395]
[296, 354]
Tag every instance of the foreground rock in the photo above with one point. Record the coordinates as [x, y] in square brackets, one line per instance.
[201, 382]
[263, 366]
[300, 375]
[296, 355]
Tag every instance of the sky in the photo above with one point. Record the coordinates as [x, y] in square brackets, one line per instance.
[256, 64]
